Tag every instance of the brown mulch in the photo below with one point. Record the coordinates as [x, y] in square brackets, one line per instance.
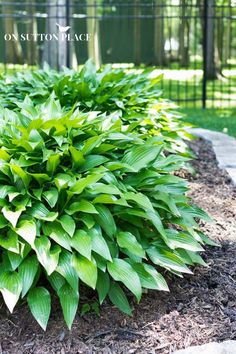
[199, 308]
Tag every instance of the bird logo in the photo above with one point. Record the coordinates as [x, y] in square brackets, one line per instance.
[63, 29]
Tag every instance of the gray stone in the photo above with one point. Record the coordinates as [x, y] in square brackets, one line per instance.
[227, 347]
[232, 174]
[224, 147]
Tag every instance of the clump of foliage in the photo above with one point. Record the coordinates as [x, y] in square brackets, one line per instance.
[88, 200]
[135, 95]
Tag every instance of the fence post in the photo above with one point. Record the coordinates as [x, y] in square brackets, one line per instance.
[204, 48]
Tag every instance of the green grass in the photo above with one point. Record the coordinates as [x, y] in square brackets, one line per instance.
[223, 120]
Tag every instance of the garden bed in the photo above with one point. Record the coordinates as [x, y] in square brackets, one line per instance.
[199, 308]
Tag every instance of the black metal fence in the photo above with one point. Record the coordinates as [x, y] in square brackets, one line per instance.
[192, 42]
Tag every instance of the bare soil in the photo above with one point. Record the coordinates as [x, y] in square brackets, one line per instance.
[199, 308]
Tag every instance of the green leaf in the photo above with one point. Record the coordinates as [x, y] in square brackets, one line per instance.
[140, 156]
[81, 184]
[119, 299]
[84, 206]
[103, 286]
[15, 259]
[183, 240]
[167, 260]
[27, 230]
[56, 232]
[39, 211]
[105, 220]
[91, 143]
[10, 287]
[122, 271]
[92, 161]
[149, 277]
[12, 216]
[18, 171]
[65, 269]
[99, 244]
[86, 270]
[69, 300]
[82, 243]
[52, 163]
[128, 241]
[39, 302]
[51, 197]
[77, 157]
[47, 256]
[68, 224]
[9, 241]
[27, 272]
[56, 281]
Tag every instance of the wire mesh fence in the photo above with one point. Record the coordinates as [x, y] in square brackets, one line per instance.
[192, 42]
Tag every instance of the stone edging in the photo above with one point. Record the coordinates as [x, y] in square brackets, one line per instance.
[224, 147]
[227, 347]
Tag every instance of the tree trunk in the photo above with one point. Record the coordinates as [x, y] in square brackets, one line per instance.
[93, 29]
[159, 40]
[137, 33]
[184, 36]
[50, 54]
[31, 27]
[212, 64]
[13, 49]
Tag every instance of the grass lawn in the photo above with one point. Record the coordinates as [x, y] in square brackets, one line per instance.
[223, 120]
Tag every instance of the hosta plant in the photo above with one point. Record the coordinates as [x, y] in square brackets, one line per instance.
[87, 201]
[136, 95]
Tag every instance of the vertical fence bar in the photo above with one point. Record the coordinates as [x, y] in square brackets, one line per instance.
[68, 49]
[204, 48]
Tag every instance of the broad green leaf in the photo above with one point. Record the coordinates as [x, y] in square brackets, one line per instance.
[27, 230]
[122, 271]
[100, 188]
[99, 244]
[140, 156]
[65, 269]
[91, 143]
[39, 302]
[179, 239]
[167, 260]
[68, 224]
[103, 286]
[52, 163]
[10, 287]
[27, 272]
[56, 280]
[105, 220]
[18, 171]
[46, 255]
[86, 270]
[39, 211]
[119, 299]
[82, 183]
[83, 205]
[149, 277]
[56, 232]
[69, 300]
[82, 243]
[12, 216]
[9, 241]
[92, 161]
[128, 241]
[51, 196]
[77, 157]
[15, 259]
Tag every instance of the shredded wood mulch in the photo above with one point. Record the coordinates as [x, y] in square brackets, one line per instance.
[199, 309]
